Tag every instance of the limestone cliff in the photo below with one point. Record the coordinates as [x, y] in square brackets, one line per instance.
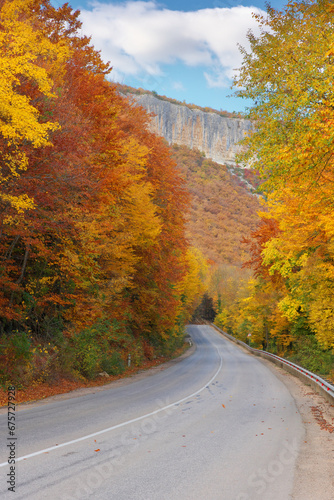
[211, 133]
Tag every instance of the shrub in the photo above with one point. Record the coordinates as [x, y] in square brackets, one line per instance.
[309, 354]
[87, 353]
[113, 364]
[14, 360]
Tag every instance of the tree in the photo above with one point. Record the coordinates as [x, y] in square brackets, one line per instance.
[154, 299]
[193, 285]
[22, 49]
[289, 75]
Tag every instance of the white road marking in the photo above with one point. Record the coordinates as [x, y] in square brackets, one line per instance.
[123, 424]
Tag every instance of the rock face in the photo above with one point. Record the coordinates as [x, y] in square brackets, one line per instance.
[211, 133]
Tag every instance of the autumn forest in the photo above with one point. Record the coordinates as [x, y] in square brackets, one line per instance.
[95, 264]
[111, 241]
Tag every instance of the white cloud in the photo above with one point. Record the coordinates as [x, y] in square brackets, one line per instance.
[178, 86]
[217, 78]
[139, 37]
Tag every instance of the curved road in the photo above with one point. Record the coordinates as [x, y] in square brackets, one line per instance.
[218, 425]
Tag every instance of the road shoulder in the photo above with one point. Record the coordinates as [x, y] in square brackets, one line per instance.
[314, 474]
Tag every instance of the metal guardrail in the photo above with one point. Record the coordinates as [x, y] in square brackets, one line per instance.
[319, 384]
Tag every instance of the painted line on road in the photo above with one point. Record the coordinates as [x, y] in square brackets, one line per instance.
[123, 424]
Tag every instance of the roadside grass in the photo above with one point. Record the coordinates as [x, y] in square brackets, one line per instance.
[38, 390]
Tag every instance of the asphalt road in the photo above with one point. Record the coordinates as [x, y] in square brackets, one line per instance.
[217, 425]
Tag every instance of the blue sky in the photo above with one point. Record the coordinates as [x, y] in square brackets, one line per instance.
[182, 49]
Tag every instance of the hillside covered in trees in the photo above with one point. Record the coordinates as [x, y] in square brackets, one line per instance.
[222, 211]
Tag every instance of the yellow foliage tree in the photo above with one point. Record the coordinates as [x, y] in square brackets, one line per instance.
[194, 283]
[23, 49]
[289, 75]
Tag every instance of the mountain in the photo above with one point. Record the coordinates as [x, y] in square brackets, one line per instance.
[223, 207]
[210, 132]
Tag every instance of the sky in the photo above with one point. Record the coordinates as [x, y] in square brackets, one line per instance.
[187, 50]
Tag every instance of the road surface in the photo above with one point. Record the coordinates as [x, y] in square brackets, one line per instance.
[218, 425]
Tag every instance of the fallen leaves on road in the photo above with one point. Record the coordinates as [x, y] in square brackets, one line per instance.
[319, 416]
